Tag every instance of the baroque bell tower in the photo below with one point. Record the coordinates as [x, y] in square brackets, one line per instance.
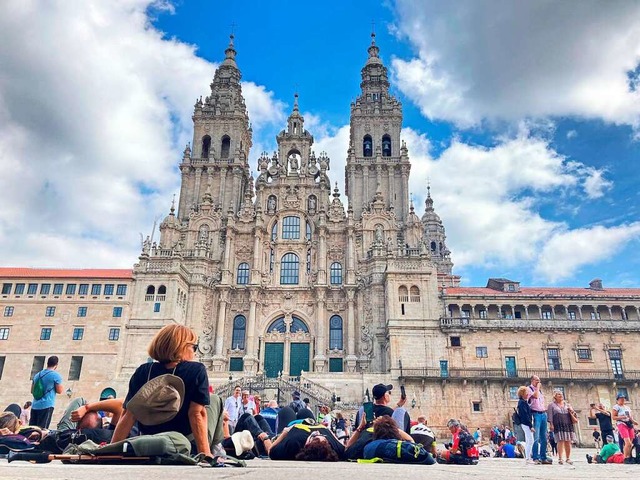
[377, 159]
[217, 164]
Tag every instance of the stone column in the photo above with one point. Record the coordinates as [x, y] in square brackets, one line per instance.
[251, 353]
[610, 314]
[352, 359]
[580, 312]
[256, 267]
[195, 195]
[351, 257]
[220, 359]
[320, 358]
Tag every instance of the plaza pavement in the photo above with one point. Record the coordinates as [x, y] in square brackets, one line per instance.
[490, 468]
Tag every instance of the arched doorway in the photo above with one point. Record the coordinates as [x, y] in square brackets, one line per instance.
[287, 347]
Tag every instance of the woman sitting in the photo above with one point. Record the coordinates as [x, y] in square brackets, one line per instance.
[173, 348]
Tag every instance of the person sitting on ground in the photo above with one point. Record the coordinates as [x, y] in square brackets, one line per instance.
[341, 431]
[173, 348]
[10, 437]
[609, 453]
[270, 414]
[381, 401]
[365, 434]
[462, 450]
[421, 433]
[254, 424]
[307, 441]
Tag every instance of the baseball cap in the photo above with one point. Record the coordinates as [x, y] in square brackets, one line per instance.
[380, 389]
[609, 438]
[620, 395]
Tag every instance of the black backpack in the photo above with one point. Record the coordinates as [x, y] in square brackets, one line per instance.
[466, 441]
[515, 417]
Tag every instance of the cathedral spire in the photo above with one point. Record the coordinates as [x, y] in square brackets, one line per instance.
[230, 53]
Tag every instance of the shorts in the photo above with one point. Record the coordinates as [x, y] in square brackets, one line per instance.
[625, 432]
[616, 458]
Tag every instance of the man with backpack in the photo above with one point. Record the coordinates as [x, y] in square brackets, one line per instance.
[44, 387]
[463, 450]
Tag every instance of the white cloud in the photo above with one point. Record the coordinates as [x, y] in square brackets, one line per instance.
[95, 110]
[567, 251]
[501, 60]
[571, 134]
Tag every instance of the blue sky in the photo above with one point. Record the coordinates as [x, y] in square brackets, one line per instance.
[525, 118]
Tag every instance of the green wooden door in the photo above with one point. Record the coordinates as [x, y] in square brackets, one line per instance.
[299, 358]
[273, 359]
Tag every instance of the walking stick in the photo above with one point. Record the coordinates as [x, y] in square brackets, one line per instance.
[45, 457]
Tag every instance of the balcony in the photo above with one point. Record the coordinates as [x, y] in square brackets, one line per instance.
[465, 323]
[520, 375]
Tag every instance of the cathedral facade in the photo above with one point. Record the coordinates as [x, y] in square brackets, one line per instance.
[283, 276]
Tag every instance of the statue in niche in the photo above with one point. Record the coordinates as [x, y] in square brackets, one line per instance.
[379, 234]
[293, 162]
[311, 204]
[271, 204]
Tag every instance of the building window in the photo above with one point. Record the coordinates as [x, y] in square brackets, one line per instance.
[121, 289]
[2, 360]
[78, 333]
[225, 147]
[96, 288]
[336, 273]
[274, 232]
[481, 352]
[553, 357]
[477, 407]
[308, 231]
[511, 287]
[19, 289]
[298, 325]
[403, 294]
[108, 289]
[32, 289]
[386, 146]
[83, 289]
[117, 312]
[513, 393]
[624, 392]
[4, 333]
[57, 288]
[243, 274]
[289, 269]
[572, 315]
[291, 228]
[546, 314]
[45, 333]
[335, 333]
[6, 288]
[336, 365]
[82, 311]
[71, 289]
[414, 294]
[239, 330]
[595, 315]
[8, 311]
[455, 341]
[156, 307]
[278, 326]
[162, 290]
[367, 146]
[584, 354]
[45, 288]
[151, 290]
[206, 146]
[75, 368]
[615, 358]
[236, 364]
[37, 365]
[114, 334]
[482, 314]
[50, 311]
[271, 260]
[308, 260]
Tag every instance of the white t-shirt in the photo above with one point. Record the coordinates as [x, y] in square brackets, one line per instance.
[622, 411]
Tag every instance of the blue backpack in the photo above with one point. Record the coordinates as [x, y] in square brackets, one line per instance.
[397, 451]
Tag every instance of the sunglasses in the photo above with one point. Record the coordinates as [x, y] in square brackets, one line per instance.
[195, 347]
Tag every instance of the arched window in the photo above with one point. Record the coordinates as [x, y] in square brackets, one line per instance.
[274, 232]
[289, 267]
[239, 329]
[335, 274]
[162, 290]
[433, 247]
[203, 233]
[291, 228]
[403, 294]
[225, 147]
[414, 294]
[242, 277]
[277, 326]
[206, 146]
[386, 146]
[151, 290]
[335, 333]
[298, 325]
[367, 146]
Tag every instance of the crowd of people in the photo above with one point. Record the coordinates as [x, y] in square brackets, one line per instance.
[172, 394]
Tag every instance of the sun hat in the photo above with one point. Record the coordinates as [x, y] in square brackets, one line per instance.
[242, 442]
[158, 401]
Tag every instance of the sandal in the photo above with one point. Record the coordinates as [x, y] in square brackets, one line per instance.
[559, 461]
[569, 461]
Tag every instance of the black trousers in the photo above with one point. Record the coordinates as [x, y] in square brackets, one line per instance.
[41, 417]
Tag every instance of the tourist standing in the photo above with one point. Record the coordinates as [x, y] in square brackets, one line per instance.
[233, 405]
[50, 381]
[562, 417]
[625, 423]
[539, 410]
[526, 422]
[599, 412]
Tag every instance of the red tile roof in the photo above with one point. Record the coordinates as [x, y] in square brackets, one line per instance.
[10, 272]
[544, 292]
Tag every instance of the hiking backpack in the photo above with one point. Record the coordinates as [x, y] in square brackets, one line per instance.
[467, 444]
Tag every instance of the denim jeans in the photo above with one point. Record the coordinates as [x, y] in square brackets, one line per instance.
[540, 436]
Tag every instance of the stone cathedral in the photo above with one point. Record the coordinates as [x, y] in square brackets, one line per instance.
[281, 273]
[284, 277]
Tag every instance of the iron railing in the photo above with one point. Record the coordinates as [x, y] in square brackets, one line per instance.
[466, 323]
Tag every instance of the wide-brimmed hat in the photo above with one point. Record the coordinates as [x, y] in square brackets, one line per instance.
[242, 441]
[158, 401]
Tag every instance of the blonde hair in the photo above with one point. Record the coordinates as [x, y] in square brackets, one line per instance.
[170, 342]
[522, 390]
[9, 420]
